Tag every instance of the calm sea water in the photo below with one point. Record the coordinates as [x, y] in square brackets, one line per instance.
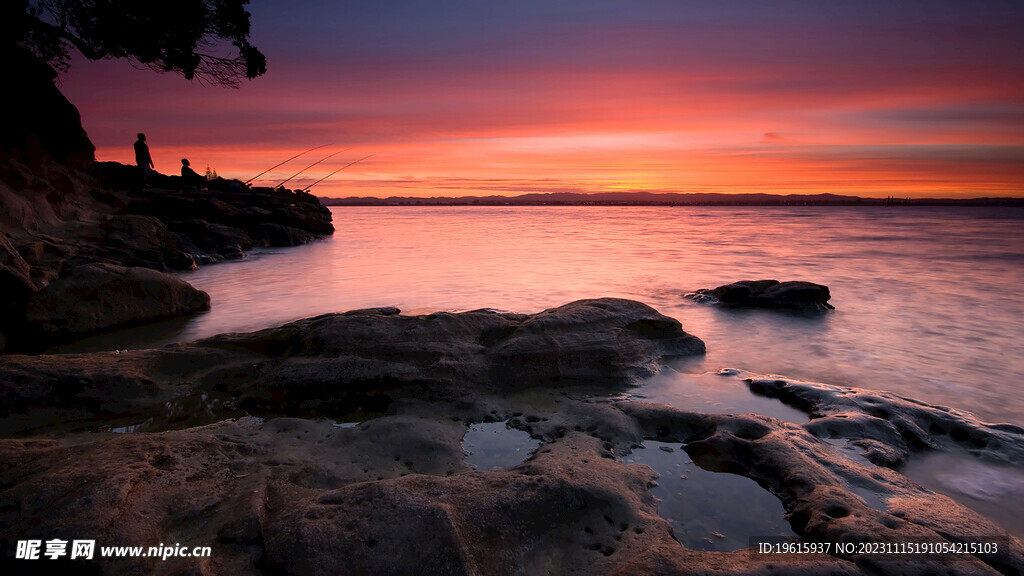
[929, 301]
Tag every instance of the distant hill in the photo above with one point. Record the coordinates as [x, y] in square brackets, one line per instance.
[664, 199]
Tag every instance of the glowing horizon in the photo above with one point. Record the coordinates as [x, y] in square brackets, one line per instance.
[588, 97]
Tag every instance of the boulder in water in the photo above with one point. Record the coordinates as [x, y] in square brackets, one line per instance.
[795, 296]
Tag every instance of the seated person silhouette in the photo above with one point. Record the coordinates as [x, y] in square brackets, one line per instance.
[190, 176]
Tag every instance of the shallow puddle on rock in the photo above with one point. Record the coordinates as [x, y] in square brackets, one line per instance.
[709, 510]
[496, 446]
[713, 393]
[984, 487]
[183, 412]
[131, 428]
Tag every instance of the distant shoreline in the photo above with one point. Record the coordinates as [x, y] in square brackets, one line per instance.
[649, 199]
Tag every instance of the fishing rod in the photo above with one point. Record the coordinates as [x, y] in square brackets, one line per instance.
[310, 166]
[306, 189]
[283, 163]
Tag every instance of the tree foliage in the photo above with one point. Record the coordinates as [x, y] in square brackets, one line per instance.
[206, 40]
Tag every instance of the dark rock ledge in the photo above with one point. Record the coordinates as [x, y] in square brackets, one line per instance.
[296, 494]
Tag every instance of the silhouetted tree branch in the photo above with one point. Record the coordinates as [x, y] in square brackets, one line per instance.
[206, 40]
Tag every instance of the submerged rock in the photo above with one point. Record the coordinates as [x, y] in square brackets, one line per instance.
[794, 295]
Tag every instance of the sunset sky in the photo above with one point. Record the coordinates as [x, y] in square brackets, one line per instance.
[464, 97]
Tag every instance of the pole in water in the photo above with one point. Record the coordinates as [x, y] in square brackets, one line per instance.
[283, 163]
[310, 166]
[306, 189]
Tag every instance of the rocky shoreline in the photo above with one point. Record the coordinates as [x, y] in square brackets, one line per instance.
[332, 445]
[84, 250]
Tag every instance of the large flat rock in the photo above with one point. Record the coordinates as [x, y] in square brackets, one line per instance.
[343, 361]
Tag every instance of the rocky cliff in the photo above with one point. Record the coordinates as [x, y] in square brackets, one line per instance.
[77, 236]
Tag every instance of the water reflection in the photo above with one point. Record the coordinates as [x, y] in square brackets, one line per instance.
[149, 335]
[723, 392]
[709, 510]
[178, 414]
[496, 446]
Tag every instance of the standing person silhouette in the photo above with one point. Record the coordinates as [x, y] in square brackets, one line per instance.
[143, 159]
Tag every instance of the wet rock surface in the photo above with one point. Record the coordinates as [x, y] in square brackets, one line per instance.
[889, 427]
[793, 296]
[292, 492]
